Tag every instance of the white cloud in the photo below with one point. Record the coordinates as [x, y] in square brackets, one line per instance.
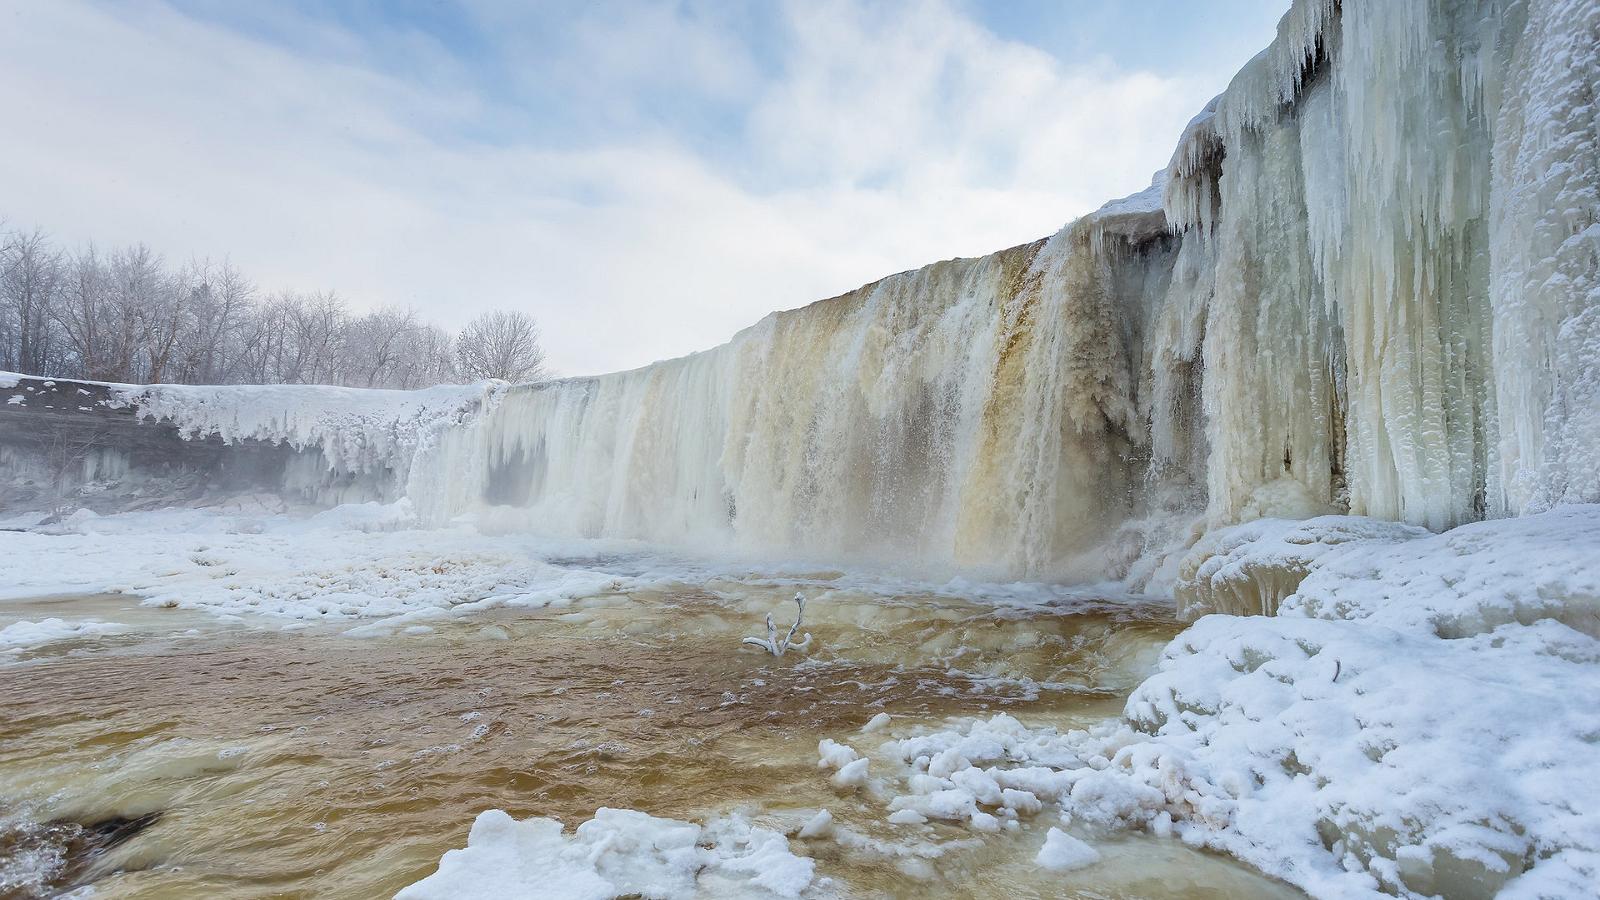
[889, 137]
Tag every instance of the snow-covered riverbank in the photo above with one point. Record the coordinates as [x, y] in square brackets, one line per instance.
[1416, 717]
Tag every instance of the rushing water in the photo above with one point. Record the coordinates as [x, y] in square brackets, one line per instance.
[196, 758]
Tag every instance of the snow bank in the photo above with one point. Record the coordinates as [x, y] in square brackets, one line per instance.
[1463, 582]
[618, 853]
[1417, 720]
[1351, 757]
[1249, 569]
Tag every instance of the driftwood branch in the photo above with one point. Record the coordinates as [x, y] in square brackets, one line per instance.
[772, 645]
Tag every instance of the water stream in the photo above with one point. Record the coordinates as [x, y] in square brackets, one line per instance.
[195, 757]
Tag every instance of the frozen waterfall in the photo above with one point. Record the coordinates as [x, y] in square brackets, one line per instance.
[1367, 282]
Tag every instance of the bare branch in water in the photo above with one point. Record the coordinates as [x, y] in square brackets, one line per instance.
[772, 645]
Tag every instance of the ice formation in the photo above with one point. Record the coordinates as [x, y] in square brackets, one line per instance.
[1368, 283]
[777, 647]
[25, 635]
[1416, 720]
[618, 853]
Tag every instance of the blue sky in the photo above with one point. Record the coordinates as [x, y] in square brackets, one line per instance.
[645, 178]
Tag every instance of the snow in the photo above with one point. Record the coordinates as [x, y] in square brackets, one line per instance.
[26, 635]
[351, 562]
[618, 853]
[1418, 718]
[1249, 569]
[1135, 217]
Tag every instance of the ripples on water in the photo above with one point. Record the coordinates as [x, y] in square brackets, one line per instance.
[239, 761]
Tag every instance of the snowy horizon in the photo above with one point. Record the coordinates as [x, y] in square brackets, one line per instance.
[645, 180]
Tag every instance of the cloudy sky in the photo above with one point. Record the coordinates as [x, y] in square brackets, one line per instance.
[643, 177]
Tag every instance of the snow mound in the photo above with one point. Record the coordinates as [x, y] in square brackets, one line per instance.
[618, 853]
[25, 635]
[1249, 569]
[1465, 581]
[1469, 580]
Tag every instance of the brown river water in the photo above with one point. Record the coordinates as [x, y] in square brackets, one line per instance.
[196, 758]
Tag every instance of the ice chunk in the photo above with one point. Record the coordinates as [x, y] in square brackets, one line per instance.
[851, 774]
[835, 755]
[618, 853]
[1062, 852]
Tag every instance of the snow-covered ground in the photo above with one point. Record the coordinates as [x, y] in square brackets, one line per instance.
[1418, 719]
[358, 561]
[249, 560]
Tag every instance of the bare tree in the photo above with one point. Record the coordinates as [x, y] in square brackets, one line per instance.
[136, 280]
[502, 345]
[30, 275]
[129, 316]
[219, 299]
[82, 312]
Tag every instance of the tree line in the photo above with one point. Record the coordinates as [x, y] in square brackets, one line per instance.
[128, 315]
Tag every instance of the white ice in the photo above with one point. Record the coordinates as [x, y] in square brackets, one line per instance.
[618, 853]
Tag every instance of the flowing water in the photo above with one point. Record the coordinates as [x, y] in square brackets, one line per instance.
[193, 757]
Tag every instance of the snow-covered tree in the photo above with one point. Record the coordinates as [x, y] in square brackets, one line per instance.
[502, 345]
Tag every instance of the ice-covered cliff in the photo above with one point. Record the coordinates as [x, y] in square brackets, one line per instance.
[1368, 282]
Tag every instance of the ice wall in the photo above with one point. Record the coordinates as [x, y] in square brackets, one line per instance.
[978, 413]
[1366, 283]
[1401, 199]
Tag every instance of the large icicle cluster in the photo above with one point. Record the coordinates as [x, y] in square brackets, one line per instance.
[1397, 204]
